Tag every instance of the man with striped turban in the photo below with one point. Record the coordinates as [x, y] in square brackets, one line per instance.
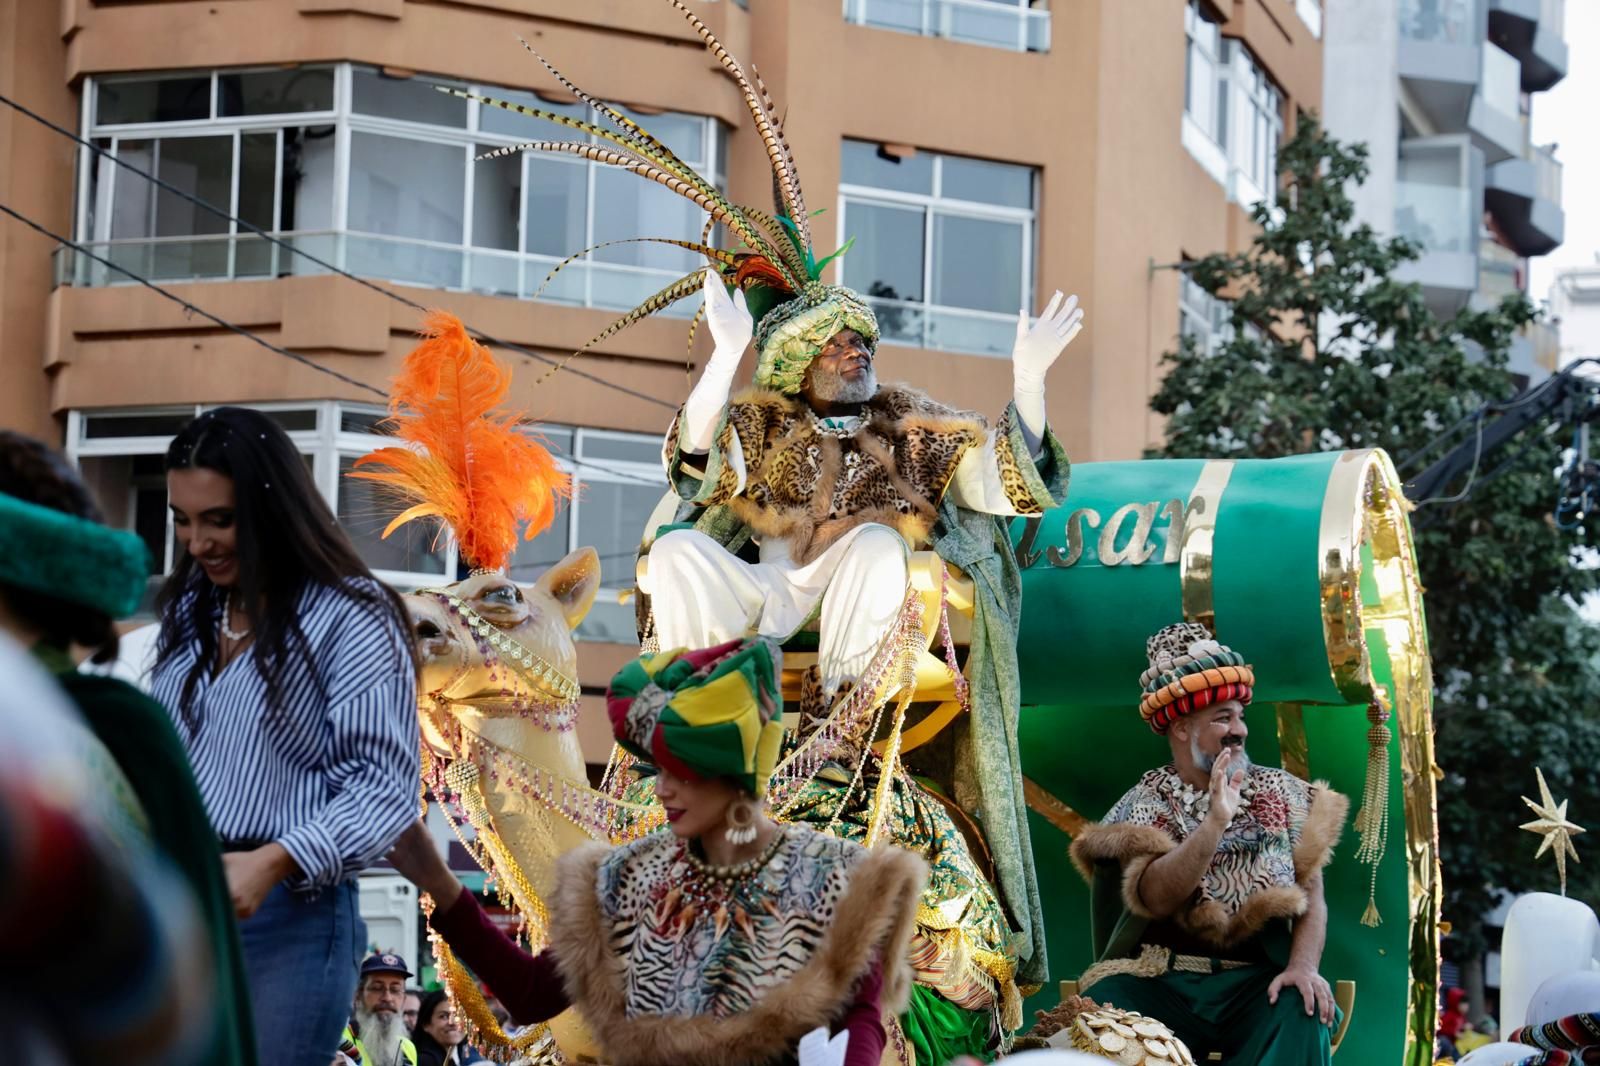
[1215, 864]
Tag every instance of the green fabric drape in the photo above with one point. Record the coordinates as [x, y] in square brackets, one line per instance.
[939, 1030]
[137, 732]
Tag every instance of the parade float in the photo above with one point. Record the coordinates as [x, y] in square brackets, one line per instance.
[980, 718]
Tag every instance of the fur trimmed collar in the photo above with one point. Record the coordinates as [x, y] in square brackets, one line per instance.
[874, 918]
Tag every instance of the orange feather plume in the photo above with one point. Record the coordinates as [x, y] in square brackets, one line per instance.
[476, 471]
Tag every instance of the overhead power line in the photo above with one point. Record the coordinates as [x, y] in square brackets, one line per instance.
[191, 308]
[250, 227]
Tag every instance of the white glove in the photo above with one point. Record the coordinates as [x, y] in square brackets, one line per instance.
[731, 328]
[1036, 350]
[817, 1050]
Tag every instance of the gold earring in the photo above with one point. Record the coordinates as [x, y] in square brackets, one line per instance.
[741, 818]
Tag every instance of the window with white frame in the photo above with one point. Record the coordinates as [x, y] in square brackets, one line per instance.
[1020, 25]
[379, 175]
[944, 245]
[1205, 320]
[617, 478]
[1256, 122]
[1233, 113]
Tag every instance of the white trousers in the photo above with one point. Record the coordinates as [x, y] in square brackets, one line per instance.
[702, 595]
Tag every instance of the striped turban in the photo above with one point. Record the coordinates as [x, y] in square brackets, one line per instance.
[1189, 671]
[703, 714]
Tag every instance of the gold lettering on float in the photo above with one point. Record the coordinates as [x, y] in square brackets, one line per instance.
[1083, 516]
[1140, 548]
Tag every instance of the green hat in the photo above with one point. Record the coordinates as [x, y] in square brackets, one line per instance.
[793, 333]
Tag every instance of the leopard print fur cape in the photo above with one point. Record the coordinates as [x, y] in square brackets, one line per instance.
[662, 981]
[784, 476]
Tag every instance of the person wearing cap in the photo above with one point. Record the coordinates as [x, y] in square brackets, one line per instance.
[378, 1033]
[1218, 866]
[724, 938]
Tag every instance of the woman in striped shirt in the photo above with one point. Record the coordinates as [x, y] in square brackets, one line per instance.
[289, 673]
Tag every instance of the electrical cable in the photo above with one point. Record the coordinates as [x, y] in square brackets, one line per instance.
[191, 308]
[331, 268]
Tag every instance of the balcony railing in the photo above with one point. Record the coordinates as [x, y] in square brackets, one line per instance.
[1547, 173]
[1438, 217]
[1438, 21]
[951, 329]
[431, 264]
[1012, 24]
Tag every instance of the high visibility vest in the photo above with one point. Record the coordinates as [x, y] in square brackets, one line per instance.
[407, 1049]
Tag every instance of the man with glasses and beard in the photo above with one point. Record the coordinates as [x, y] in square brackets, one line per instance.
[378, 1033]
[1215, 865]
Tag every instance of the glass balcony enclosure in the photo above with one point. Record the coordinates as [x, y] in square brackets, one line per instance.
[1017, 25]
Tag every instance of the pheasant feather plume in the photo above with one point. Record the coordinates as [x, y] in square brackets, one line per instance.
[475, 470]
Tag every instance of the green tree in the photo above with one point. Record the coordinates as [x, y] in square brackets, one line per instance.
[1328, 351]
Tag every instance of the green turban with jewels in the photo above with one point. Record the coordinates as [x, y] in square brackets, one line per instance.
[792, 333]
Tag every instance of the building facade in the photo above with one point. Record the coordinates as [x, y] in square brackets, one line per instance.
[1575, 307]
[1441, 92]
[982, 153]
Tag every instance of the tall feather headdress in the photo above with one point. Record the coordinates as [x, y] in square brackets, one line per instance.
[477, 471]
[773, 258]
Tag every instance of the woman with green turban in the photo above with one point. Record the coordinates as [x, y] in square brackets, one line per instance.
[725, 938]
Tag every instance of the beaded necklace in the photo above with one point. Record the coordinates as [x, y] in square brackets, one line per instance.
[725, 891]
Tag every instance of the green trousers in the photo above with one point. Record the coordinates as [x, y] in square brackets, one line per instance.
[1227, 1012]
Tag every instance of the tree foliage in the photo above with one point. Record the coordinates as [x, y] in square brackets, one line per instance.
[1328, 351]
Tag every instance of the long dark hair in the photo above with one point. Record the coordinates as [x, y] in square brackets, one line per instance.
[31, 471]
[286, 539]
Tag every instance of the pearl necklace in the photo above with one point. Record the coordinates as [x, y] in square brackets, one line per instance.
[227, 630]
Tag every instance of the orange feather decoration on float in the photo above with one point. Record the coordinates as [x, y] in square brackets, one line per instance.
[478, 472]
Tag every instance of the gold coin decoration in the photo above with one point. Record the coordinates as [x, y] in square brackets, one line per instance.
[1124, 1037]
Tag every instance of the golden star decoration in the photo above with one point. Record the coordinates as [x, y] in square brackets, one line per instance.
[1553, 826]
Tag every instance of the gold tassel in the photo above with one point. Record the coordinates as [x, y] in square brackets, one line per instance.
[889, 763]
[1372, 821]
[482, 1027]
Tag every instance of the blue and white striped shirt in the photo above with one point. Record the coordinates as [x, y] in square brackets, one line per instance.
[333, 776]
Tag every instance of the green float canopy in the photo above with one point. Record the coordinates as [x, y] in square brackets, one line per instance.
[1305, 566]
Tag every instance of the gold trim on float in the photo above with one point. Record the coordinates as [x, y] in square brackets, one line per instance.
[1294, 750]
[1051, 809]
[1365, 508]
[1195, 571]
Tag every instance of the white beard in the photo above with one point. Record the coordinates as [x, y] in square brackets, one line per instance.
[380, 1035]
[1204, 762]
[835, 389]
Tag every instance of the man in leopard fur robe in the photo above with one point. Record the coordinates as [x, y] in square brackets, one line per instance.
[1207, 874]
[802, 497]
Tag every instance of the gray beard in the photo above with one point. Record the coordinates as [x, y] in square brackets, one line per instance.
[381, 1036]
[1204, 762]
[833, 387]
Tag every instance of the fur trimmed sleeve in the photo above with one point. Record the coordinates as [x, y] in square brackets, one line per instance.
[1320, 831]
[998, 476]
[740, 446]
[1133, 847]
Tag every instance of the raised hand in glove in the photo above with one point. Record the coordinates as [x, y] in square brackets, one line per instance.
[1037, 348]
[731, 328]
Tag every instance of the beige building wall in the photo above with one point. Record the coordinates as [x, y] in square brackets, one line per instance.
[1099, 115]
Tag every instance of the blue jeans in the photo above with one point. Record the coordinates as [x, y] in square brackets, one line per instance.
[301, 955]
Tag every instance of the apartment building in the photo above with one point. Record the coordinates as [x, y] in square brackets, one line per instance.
[1441, 91]
[1575, 307]
[981, 152]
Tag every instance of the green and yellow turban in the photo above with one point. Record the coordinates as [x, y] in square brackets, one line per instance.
[792, 334]
[703, 714]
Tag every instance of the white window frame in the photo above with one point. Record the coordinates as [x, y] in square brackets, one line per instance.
[331, 245]
[1254, 125]
[327, 444]
[936, 20]
[933, 205]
